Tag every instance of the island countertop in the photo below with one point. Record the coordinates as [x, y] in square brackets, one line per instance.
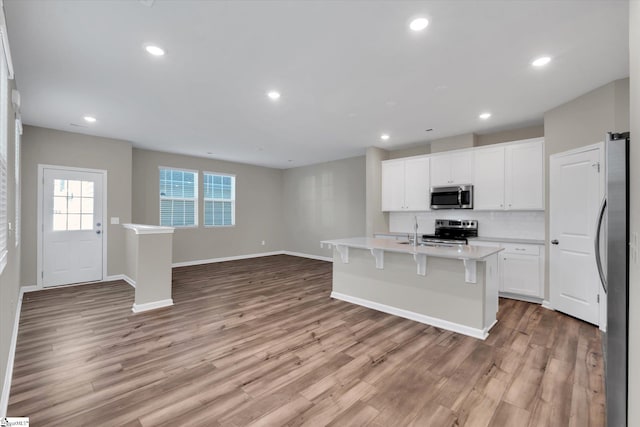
[463, 252]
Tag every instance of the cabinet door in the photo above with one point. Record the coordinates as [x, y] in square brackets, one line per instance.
[521, 274]
[488, 190]
[462, 167]
[524, 185]
[441, 170]
[416, 184]
[393, 186]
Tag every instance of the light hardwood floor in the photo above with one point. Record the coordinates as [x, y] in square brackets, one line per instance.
[259, 342]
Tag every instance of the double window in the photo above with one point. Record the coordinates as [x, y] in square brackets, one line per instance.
[179, 198]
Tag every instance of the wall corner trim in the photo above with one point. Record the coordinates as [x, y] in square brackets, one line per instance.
[6, 387]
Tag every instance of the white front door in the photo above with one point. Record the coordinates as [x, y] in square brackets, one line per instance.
[575, 193]
[72, 225]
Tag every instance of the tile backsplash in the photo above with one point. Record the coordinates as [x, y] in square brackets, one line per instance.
[509, 224]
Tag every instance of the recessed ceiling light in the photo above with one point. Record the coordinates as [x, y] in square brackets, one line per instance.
[384, 137]
[154, 50]
[485, 116]
[274, 95]
[541, 62]
[419, 24]
[89, 119]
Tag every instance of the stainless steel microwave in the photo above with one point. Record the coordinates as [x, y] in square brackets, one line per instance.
[452, 197]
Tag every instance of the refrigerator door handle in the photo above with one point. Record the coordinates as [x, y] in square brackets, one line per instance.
[603, 278]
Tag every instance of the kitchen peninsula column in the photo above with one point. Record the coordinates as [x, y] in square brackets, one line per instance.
[148, 265]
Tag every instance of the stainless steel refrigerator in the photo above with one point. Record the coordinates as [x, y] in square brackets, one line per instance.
[612, 259]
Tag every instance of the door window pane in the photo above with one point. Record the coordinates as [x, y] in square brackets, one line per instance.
[73, 204]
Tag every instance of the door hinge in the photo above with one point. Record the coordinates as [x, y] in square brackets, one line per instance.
[598, 298]
[42, 274]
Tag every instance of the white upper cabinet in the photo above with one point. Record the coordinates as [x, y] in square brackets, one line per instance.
[405, 184]
[393, 185]
[489, 171]
[451, 169]
[509, 177]
[524, 175]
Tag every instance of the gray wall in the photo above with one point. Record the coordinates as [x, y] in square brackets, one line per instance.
[418, 150]
[258, 207]
[54, 147]
[468, 140]
[510, 135]
[324, 201]
[456, 142]
[376, 220]
[10, 277]
[634, 280]
[580, 122]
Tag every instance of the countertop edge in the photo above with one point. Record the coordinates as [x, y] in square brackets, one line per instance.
[438, 252]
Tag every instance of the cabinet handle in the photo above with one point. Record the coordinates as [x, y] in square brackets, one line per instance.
[520, 249]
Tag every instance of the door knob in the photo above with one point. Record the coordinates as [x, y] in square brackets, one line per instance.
[554, 242]
[98, 231]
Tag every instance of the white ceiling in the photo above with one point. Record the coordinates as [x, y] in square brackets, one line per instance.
[347, 70]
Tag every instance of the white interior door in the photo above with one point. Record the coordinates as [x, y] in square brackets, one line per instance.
[72, 224]
[575, 194]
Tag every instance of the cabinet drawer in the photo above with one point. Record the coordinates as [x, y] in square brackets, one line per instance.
[513, 248]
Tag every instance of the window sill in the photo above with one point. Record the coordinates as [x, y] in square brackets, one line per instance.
[219, 226]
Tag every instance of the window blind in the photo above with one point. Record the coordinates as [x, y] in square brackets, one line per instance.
[178, 197]
[219, 199]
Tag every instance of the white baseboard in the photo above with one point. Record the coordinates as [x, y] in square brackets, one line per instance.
[303, 255]
[138, 308]
[223, 259]
[525, 298]
[30, 288]
[547, 304]
[124, 277]
[129, 280]
[428, 320]
[6, 387]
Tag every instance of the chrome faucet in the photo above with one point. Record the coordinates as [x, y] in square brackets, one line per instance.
[415, 231]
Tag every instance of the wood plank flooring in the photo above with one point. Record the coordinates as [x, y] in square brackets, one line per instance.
[259, 342]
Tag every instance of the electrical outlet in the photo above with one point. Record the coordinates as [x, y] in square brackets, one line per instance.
[115, 220]
[264, 243]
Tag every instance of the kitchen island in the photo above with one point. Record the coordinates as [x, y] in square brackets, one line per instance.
[449, 287]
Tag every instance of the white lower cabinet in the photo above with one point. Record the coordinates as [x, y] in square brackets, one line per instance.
[520, 269]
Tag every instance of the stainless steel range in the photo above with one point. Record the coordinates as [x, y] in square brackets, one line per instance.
[452, 232]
